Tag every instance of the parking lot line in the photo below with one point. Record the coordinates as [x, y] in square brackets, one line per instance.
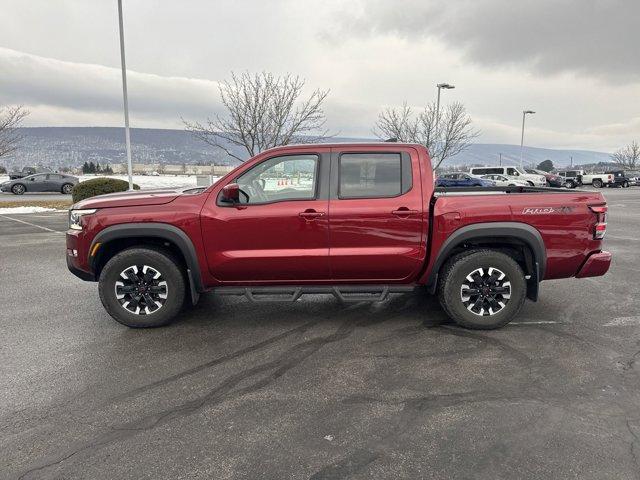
[31, 224]
[539, 322]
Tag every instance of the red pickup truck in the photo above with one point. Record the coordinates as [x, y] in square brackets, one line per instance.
[358, 221]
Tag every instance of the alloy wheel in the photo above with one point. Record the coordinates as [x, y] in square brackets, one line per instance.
[141, 289]
[485, 291]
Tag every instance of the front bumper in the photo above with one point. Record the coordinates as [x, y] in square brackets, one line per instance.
[81, 274]
[77, 258]
[596, 265]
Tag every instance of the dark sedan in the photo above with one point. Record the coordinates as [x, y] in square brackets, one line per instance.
[41, 182]
[462, 179]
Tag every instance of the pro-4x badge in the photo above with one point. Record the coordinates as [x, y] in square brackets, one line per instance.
[546, 210]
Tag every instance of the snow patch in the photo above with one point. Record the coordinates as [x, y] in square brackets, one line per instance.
[14, 210]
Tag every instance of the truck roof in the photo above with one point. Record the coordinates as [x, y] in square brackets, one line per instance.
[378, 144]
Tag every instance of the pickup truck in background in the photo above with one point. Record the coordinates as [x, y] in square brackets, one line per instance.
[357, 221]
[598, 180]
[534, 180]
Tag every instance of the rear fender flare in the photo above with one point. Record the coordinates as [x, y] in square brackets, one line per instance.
[521, 232]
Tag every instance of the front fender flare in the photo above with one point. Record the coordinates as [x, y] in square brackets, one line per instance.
[162, 231]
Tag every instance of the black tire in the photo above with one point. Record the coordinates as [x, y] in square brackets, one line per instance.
[454, 276]
[170, 273]
[66, 188]
[625, 184]
[569, 184]
[597, 183]
[18, 189]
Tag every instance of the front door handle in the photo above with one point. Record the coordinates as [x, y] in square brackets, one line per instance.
[404, 212]
[310, 214]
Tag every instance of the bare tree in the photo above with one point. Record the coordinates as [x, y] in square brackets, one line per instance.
[444, 133]
[10, 120]
[628, 156]
[263, 111]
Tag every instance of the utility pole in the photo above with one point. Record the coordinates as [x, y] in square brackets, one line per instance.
[125, 98]
[524, 113]
[500, 158]
[440, 86]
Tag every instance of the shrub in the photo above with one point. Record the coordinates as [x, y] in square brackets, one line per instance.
[99, 186]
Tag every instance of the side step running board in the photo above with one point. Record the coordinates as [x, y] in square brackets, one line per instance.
[345, 293]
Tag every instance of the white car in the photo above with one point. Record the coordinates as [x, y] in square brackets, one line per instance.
[504, 181]
[511, 171]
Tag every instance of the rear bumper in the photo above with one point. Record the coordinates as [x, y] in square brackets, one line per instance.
[596, 265]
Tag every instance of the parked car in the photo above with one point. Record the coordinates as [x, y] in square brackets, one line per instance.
[511, 171]
[254, 235]
[571, 178]
[503, 181]
[553, 180]
[26, 171]
[41, 182]
[620, 179]
[634, 178]
[461, 179]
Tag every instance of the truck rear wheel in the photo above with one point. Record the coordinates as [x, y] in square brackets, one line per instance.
[597, 183]
[142, 287]
[482, 289]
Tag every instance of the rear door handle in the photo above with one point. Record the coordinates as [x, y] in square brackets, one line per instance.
[404, 212]
[310, 214]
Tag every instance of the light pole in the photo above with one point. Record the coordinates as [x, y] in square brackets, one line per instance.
[440, 86]
[524, 114]
[127, 138]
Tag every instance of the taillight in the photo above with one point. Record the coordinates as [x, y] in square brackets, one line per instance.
[600, 227]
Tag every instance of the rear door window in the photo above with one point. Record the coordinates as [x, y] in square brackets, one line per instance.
[373, 175]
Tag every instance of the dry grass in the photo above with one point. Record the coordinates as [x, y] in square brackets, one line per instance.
[57, 204]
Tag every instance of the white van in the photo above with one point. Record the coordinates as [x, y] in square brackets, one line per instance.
[510, 171]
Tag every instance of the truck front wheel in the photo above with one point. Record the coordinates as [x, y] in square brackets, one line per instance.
[482, 289]
[142, 287]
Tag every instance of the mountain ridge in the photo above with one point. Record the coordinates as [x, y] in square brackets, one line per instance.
[57, 147]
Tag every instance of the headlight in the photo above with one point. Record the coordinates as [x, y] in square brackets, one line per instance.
[75, 217]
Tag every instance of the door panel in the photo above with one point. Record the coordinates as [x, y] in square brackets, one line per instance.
[376, 239]
[279, 241]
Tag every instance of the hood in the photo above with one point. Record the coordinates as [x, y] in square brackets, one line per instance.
[131, 199]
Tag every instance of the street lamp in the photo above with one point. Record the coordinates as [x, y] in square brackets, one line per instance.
[524, 113]
[127, 138]
[440, 86]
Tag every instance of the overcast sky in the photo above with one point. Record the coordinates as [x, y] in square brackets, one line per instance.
[575, 62]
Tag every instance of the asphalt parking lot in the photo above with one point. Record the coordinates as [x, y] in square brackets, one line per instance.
[317, 389]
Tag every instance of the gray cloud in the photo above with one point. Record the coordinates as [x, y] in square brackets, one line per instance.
[590, 37]
[46, 82]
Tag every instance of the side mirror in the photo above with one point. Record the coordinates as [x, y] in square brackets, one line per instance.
[230, 193]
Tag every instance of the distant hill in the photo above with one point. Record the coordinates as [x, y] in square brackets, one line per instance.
[57, 147]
